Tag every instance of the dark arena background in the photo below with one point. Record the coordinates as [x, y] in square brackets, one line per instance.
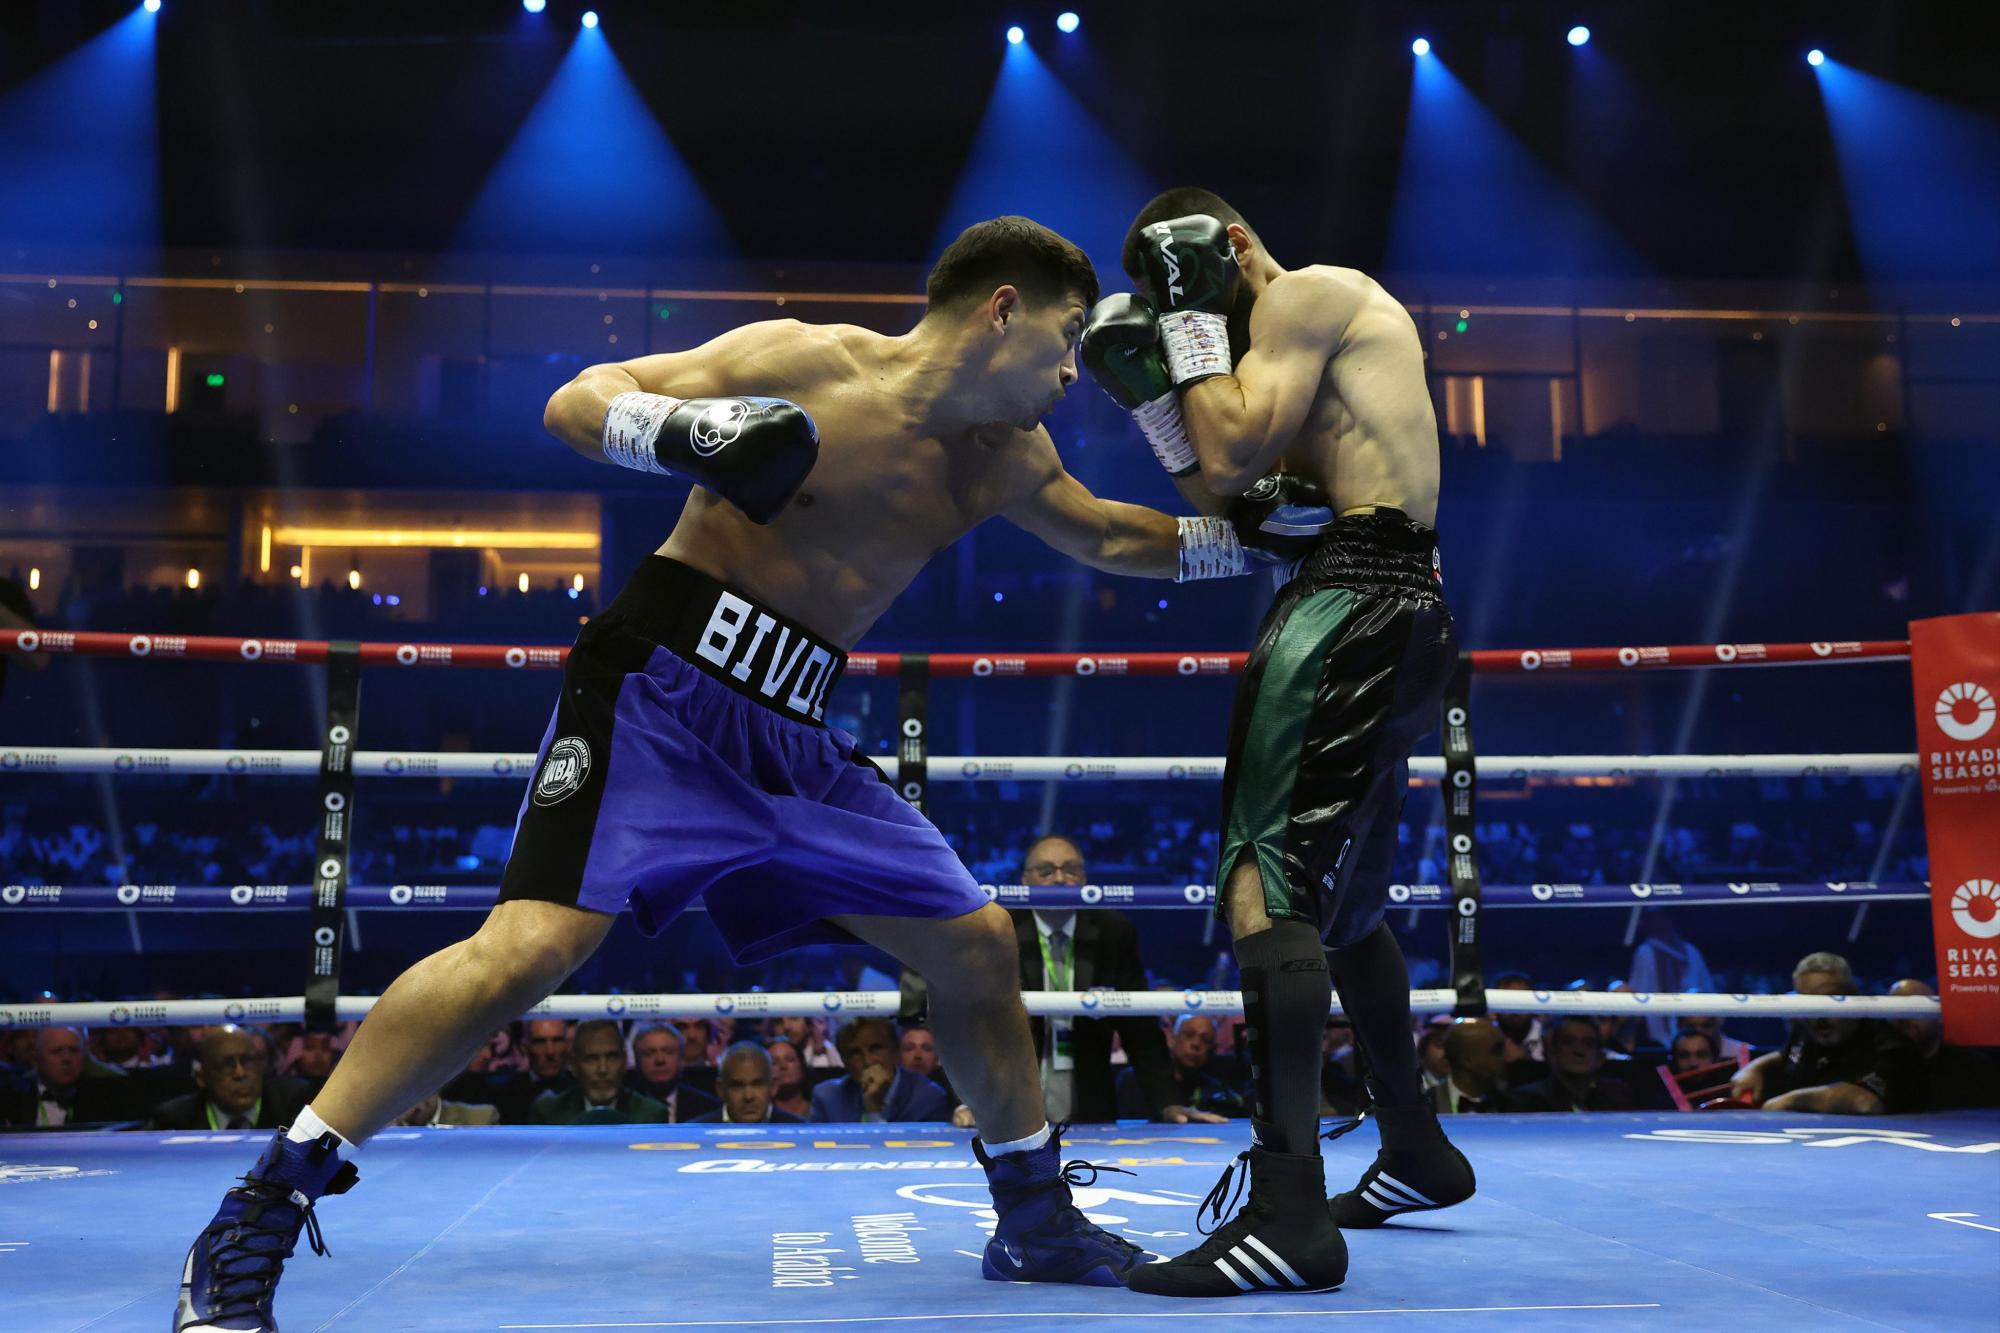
[1709, 296]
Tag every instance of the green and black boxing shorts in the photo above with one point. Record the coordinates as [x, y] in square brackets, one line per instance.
[1350, 666]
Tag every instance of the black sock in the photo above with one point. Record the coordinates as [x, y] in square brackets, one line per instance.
[1286, 996]
[1374, 984]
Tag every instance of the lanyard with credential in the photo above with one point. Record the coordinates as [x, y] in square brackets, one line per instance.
[1059, 974]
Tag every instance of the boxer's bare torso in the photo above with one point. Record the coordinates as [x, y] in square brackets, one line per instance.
[897, 479]
[1332, 386]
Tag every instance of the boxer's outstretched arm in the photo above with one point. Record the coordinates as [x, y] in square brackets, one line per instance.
[1104, 534]
[1241, 423]
[747, 360]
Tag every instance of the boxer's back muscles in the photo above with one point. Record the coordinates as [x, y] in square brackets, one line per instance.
[890, 489]
[1370, 436]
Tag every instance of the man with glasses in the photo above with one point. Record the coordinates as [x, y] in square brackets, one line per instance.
[235, 1093]
[1065, 949]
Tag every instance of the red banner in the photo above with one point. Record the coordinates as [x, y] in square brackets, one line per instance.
[1955, 667]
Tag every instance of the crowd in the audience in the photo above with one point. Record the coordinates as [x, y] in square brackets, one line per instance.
[725, 1070]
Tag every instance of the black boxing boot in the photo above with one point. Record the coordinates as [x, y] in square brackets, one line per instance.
[1418, 1170]
[1282, 1240]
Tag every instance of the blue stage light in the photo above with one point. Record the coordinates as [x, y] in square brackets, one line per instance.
[152, 6]
[534, 6]
[1579, 35]
[1815, 57]
[1067, 21]
[589, 18]
[1421, 47]
[1015, 36]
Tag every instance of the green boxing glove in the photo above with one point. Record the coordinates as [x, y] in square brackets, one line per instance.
[1121, 350]
[1193, 274]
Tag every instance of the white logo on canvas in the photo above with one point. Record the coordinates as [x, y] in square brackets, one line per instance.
[718, 426]
[1983, 711]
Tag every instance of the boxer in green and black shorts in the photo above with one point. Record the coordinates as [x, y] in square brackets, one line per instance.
[1349, 668]
[1246, 379]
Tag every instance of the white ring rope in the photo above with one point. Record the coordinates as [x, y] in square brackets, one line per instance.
[886, 1004]
[949, 767]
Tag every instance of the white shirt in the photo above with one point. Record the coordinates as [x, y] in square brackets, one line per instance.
[1058, 1085]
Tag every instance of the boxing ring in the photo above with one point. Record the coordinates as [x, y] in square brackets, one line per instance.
[1639, 1220]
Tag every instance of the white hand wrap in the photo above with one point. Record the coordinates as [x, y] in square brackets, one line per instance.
[1160, 422]
[1209, 550]
[631, 428]
[1196, 343]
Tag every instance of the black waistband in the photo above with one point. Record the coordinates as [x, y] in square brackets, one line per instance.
[1383, 549]
[730, 636]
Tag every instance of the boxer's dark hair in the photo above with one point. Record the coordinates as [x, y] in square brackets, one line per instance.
[1179, 202]
[1010, 251]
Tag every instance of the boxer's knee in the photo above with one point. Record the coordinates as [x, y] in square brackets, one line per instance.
[985, 959]
[530, 944]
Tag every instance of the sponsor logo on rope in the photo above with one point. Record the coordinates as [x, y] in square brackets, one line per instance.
[1531, 660]
[1088, 1000]
[1975, 908]
[233, 1011]
[28, 640]
[1086, 666]
[242, 895]
[615, 1005]
[128, 894]
[1091, 893]
[1965, 711]
[13, 894]
[1196, 894]
[563, 772]
[982, 666]
[515, 657]
[725, 1004]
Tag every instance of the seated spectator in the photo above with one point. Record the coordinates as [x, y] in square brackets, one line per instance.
[1953, 1076]
[1726, 1046]
[496, 1075]
[1575, 1081]
[122, 1047]
[61, 1087]
[656, 1073]
[918, 1053]
[1665, 961]
[311, 1056]
[1431, 1057]
[599, 1095]
[875, 1088]
[788, 1080]
[1525, 1062]
[1190, 1050]
[744, 1080]
[1693, 1050]
[1842, 1066]
[808, 1038]
[1476, 1053]
[234, 1091]
[435, 1110]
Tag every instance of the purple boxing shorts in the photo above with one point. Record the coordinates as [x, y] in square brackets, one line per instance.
[687, 759]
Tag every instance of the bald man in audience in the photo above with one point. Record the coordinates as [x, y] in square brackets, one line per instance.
[1953, 1077]
[1476, 1051]
[236, 1091]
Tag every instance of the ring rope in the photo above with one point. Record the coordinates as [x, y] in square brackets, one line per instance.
[22, 898]
[973, 665]
[886, 1004]
[951, 768]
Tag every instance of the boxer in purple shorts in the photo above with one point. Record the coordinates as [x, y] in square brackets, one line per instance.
[689, 756]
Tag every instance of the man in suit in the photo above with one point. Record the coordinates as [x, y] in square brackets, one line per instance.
[234, 1091]
[65, 1086]
[744, 1080]
[657, 1072]
[1076, 951]
[599, 1095]
[876, 1087]
[1197, 1086]
[1575, 1082]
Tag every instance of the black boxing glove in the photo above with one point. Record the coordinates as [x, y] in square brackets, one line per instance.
[1121, 350]
[1281, 518]
[1191, 271]
[753, 452]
